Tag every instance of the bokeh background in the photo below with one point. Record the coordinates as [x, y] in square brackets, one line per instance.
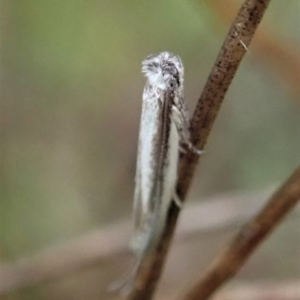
[71, 91]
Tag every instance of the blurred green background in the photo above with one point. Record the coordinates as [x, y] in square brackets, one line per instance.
[71, 91]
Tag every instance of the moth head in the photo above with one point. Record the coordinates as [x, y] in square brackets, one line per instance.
[164, 70]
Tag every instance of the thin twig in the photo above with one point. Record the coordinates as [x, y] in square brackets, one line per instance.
[279, 52]
[259, 290]
[275, 290]
[93, 248]
[248, 239]
[223, 211]
[108, 243]
[205, 114]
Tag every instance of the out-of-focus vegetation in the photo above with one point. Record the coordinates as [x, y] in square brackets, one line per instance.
[71, 91]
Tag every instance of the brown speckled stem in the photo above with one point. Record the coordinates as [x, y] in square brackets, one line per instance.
[248, 239]
[230, 56]
[225, 67]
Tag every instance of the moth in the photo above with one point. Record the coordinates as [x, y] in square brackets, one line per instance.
[164, 132]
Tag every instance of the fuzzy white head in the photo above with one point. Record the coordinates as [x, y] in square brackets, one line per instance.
[164, 70]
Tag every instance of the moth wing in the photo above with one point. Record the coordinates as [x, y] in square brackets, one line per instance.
[138, 190]
[147, 165]
[168, 162]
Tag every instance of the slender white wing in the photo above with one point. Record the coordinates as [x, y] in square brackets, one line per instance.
[147, 168]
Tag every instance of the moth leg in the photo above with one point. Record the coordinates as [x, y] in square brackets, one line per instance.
[182, 129]
[182, 149]
[177, 200]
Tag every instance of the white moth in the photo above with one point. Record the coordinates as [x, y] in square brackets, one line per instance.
[164, 130]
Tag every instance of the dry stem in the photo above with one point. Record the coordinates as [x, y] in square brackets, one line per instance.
[248, 239]
[103, 244]
[275, 290]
